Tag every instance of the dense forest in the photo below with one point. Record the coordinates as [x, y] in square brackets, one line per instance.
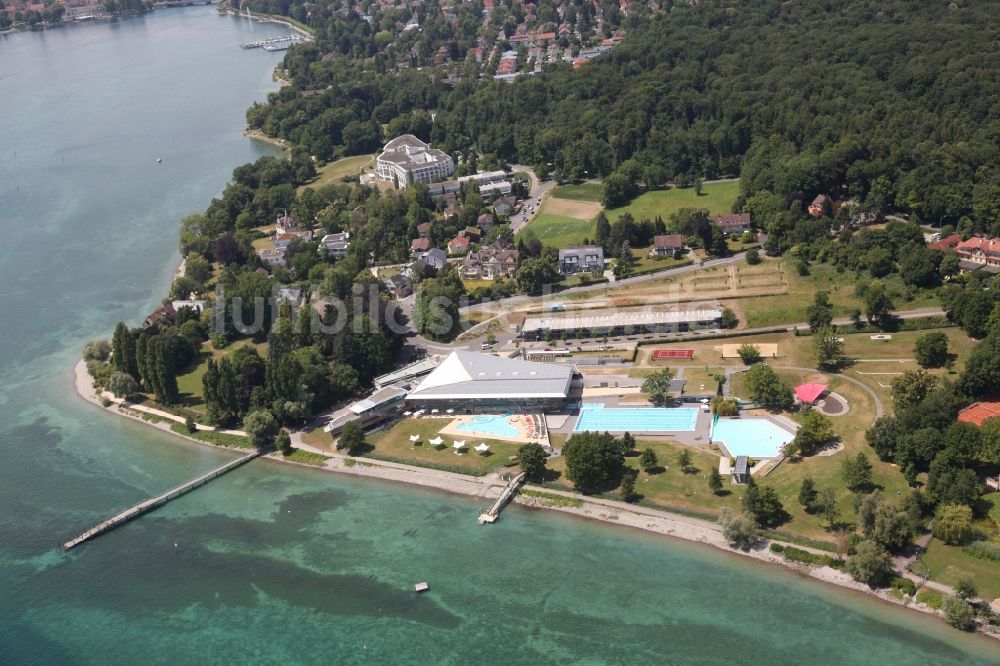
[892, 101]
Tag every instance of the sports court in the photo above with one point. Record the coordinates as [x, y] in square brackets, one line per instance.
[664, 354]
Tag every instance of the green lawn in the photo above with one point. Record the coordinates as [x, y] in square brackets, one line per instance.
[561, 231]
[189, 384]
[332, 173]
[947, 564]
[717, 198]
[581, 192]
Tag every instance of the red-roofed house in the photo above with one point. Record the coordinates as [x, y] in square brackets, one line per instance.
[978, 412]
[979, 253]
[458, 245]
[819, 205]
[666, 244]
[419, 247]
[948, 243]
[736, 223]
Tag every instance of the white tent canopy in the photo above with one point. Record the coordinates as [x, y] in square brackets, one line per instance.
[450, 411]
[436, 441]
[434, 411]
[407, 413]
[483, 447]
[414, 438]
[459, 444]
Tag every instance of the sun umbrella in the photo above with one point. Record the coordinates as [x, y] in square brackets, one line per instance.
[434, 411]
[483, 447]
[407, 413]
[459, 445]
[436, 441]
[414, 438]
[451, 411]
[705, 401]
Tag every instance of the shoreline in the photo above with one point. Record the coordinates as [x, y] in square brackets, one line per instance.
[608, 512]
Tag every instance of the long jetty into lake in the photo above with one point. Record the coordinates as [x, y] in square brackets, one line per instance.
[158, 501]
[508, 493]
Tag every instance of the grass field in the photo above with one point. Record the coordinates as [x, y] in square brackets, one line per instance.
[947, 564]
[330, 174]
[581, 192]
[718, 198]
[561, 231]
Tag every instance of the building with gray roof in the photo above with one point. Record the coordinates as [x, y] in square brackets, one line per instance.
[406, 159]
[595, 324]
[472, 382]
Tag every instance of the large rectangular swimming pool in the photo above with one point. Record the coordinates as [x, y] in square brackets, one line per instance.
[755, 438]
[597, 418]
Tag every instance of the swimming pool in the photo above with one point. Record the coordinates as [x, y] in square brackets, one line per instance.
[490, 424]
[755, 438]
[639, 419]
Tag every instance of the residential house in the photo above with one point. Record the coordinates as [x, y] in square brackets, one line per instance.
[485, 222]
[665, 245]
[498, 259]
[495, 189]
[948, 243]
[274, 257]
[406, 159]
[452, 211]
[436, 258]
[161, 316]
[735, 223]
[474, 234]
[286, 239]
[290, 295]
[398, 286]
[979, 254]
[582, 259]
[336, 245]
[193, 303]
[286, 224]
[504, 206]
[419, 247]
[424, 230]
[819, 205]
[459, 244]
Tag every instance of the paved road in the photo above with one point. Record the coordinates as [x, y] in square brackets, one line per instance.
[536, 191]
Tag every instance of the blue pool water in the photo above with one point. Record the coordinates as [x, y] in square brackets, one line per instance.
[642, 419]
[489, 424]
[756, 438]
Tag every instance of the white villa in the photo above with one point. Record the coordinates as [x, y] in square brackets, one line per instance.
[406, 159]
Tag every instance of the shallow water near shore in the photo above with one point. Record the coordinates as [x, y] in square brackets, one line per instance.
[273, 563]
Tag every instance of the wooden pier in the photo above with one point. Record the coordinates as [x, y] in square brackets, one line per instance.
[508, 493]
[158, 501]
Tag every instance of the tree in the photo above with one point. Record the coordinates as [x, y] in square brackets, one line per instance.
[284, 443]
[532, 459]
[965, 588]
[627, 488]
[763, 504]
[959, 614]
[931, 350]
[352, 438]
[684, 461]
[882, 436]
[97, 350]
[807, 494]
[814, 434]
[594, 461]
[826, 505]
[627, 443]
[857, 472]
[534, 274]
[648, 460]
[820, 313]
[715, 481]
[657, 386]
[261, 427]
[828, 347]
[953, 524]
[753, 257]
[603, 231]
[877, 303]
[190, 425]
[123, 345]
[766, 388]
[893, 527]
[870, 563]
[122, 385]
[749, 353]
[738, 531]
[912, 387]
[728, 319]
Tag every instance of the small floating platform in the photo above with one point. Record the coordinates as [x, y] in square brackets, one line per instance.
[421, 587]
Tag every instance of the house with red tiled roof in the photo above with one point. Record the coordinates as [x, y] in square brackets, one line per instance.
[979, 253]
[819, 205]
[665, 245]
[734, 223]
[459, 244]
[419, 247]
[948, 243]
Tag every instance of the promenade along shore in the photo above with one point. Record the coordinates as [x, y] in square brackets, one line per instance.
[489, 487]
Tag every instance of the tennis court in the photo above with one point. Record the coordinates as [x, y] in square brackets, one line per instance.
[662, 354]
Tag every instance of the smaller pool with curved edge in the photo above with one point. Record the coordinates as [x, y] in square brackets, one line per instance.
[490, 424]
[754, 438]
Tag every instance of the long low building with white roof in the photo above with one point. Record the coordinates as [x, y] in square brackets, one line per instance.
[470, 382]
[656, 319]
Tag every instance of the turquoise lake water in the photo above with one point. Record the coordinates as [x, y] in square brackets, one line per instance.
[273, 564]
